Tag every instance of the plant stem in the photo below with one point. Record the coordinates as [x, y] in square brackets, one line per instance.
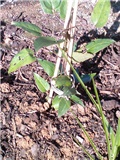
[55, 74]
[91, 98]
[103, 118]
[87, 135]
[72, 32]
[82, 84]
[98, 106]
[67, 18]
[84, 150]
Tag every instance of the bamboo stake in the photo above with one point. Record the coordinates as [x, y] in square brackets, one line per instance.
[67, 19]
[72, 32]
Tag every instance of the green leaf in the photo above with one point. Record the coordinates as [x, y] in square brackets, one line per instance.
[77, 100]
[63, 9]
[63, 80]
[41, 83]
[49, 6]
[61, 104]
[56, 4]
[48, 66]
[92, 75]
[64, 106]
[110, 130]
[68, 91]
[98, 44]
[112, 139]
[116, 147]
[81, 57]
[44, 42]
[101, 13]
[24, 57]
[118, 133]
[29, 27]
[86, 78]
[56, 102]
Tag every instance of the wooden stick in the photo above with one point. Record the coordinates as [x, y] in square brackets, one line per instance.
[72, 32]
[68, 14]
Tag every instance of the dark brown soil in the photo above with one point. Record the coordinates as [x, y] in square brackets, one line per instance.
[30, 129]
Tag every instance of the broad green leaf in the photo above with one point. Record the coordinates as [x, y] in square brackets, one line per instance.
[24, 57]
[41, 83]
[81, 57]
[56, 102]
[98, 44]
[64, 106]
[44, 42]
[61, 104]
[49, 6]
[29, 27]
[46, 7]
[68, 91]
[86, 78]
[48, 66]
[63, 9]
[56, 4]
[77, 100]
[63, 80]
[101, 13]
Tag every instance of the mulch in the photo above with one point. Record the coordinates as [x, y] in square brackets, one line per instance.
[30, 128]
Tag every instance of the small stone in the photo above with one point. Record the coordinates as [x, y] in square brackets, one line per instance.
[34, 150]
[79, 139]
[118, 114]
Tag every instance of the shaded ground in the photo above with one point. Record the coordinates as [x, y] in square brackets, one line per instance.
[30, 129]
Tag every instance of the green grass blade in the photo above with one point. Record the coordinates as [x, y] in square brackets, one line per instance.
[84, 150]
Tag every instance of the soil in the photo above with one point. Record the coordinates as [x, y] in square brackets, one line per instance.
[30, 128]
